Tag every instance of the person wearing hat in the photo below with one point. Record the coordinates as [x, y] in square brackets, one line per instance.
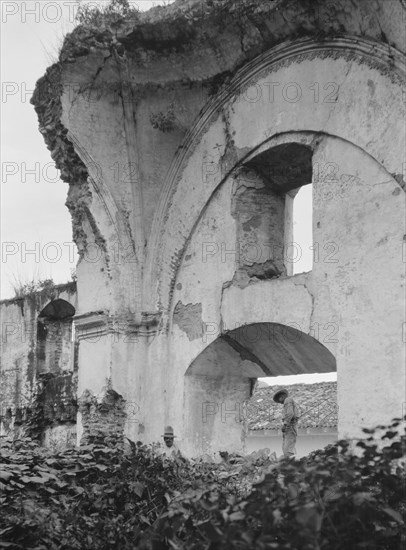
[290, 417]
[170, 448]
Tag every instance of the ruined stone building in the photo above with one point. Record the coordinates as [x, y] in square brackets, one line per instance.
[38, 369]
[184, 134]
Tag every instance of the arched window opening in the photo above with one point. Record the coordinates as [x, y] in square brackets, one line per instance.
[272, 204]
[58, 309]
[303, 229]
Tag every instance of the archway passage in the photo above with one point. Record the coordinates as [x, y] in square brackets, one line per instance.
[281, 349]
[56, 359]
[222, 378]
[58, 309]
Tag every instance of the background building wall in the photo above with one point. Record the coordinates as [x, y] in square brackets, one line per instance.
[38, 370]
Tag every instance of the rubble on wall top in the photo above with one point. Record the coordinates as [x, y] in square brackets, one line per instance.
[187, 42]
[45, 293]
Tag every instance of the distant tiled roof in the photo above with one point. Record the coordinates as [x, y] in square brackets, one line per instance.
[317, 405]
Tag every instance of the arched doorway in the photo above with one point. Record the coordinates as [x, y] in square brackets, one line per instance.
[55, 399]
[222, 377]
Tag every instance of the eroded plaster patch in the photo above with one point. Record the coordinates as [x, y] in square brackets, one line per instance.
[189, 319]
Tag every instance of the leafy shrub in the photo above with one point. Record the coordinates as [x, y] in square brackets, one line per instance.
[97, 496]
[105, 496]
[28, 288]
[165, 122]
[92, 497]
[332, 500]
[104, 16]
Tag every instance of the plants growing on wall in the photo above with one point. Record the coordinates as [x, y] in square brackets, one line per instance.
[164, 121]
[23, 288]
[105, 15]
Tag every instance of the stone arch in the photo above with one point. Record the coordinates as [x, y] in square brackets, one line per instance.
[56, 369]
[100, 219]
[221, 378]
[225, 122]
[102, 191]
[312, 142]
[57, 309]
[325, 302]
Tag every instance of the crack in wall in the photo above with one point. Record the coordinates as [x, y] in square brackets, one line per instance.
[304, 284]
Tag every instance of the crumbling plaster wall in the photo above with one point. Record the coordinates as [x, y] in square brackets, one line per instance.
[352, 294]
[141, 153]
[171, 55]
[243, 127]
[216, 423]
[37, 390]
[179, 193]
[345, 298]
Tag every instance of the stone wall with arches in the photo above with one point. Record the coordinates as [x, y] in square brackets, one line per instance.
[202, 127]
[234, 129]
[342, 302]
[221, 380]
[39, 366]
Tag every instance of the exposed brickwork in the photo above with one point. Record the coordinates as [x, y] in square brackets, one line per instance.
[259, 213]
[102, 418]
[54, 403]
[38, 382]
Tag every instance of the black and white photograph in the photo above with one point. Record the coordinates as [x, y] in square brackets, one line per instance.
[202, 275]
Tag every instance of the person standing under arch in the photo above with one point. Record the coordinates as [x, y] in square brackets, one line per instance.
[290, 417]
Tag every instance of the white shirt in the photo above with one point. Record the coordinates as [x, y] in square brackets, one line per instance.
[169, 452]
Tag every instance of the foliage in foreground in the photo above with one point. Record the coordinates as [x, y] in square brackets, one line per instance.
[103, 496]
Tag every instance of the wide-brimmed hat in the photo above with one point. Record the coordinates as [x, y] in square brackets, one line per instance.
[168, 432]
[279, 393]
